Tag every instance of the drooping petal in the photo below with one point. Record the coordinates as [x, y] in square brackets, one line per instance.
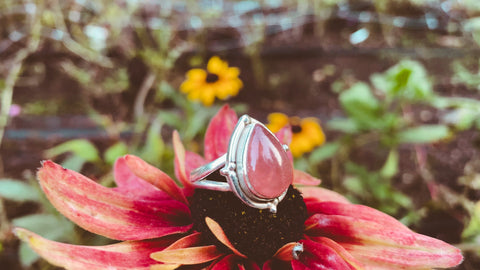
[381, 257]
[341, 251]
[234, 262]
[185, 161]
[319, 194]
[352, 225]
[122, 256]
[354, 211]
[190, 255]
[319, 256]
[155, 177]
[227, 262]
[106, 211]
[303, 178]
[187, 241]
[218, 133]
[133, 186]
[217, 230]
[170, 266]
[285, 253]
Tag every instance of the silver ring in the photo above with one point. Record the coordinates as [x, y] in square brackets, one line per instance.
[256, 166]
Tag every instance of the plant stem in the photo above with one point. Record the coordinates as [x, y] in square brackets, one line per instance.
[147, 84]
[4, 224]
[17, 64]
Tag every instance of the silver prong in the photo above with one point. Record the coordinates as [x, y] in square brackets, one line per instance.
[246, 119]
[297, 250]
[272, 206]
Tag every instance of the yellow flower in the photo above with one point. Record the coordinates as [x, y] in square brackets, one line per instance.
[306, 132]
[219, 80]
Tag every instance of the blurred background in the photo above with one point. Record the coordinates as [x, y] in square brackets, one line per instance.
[393, 85]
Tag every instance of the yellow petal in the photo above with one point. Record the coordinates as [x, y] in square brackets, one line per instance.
[276, 121]
[207, 95]
[197, 74]
[216, 65]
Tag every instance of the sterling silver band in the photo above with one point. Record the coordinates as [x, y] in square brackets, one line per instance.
[233, 165]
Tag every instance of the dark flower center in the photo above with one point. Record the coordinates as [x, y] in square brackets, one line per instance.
[257, 233]
[211, 77]
[296, 128]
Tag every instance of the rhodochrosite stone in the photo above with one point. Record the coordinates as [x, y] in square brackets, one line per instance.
[269, 169]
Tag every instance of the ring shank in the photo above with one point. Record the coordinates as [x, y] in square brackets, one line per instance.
[213, 185]
[203, 171]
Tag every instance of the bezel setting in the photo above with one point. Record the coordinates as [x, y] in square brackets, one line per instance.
[236, 171]
[234, 166]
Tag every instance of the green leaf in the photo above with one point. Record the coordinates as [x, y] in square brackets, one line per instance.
[115, 151]
[80, 147]
[354, 185]
[406, 80]
[52, 227]
[390, 168]
[74, 163]
[362, 106]
[462, 118]
[359, 98]
[16, 190]
[324, 152]
[154, 145]
[27, 255]
[345, 125]
[48, 225]
[196, 123]
[472, 230]
[424, 134]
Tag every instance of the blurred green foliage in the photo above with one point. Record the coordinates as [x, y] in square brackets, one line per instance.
[98, 45]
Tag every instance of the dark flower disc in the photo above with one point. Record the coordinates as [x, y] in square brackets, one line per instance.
[257, 233]
[211, 78]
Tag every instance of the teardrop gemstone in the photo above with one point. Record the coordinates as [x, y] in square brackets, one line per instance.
[269, 170]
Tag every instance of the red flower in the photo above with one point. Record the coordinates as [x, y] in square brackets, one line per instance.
[152, 215]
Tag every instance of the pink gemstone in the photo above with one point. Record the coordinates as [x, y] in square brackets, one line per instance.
[269, 170]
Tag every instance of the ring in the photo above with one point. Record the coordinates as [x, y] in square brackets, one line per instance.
[256, 166]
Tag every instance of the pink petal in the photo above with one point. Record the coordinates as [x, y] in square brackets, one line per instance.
[133, 186]
[185, 162]
[217, 230]
[124, 255]
[106, 211]
[364, 226]
[233, 262]
[355, 211]
[285, 253]
[321, 195]
[155, 177]
[248, 265]
[384, 257]
[341, 251]
[319, 256]
[303, 178]
[284, 135]
[218, 133]
[180, 171]
[164, 266]
[227, 262]
[190, 255]
[187, 241]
